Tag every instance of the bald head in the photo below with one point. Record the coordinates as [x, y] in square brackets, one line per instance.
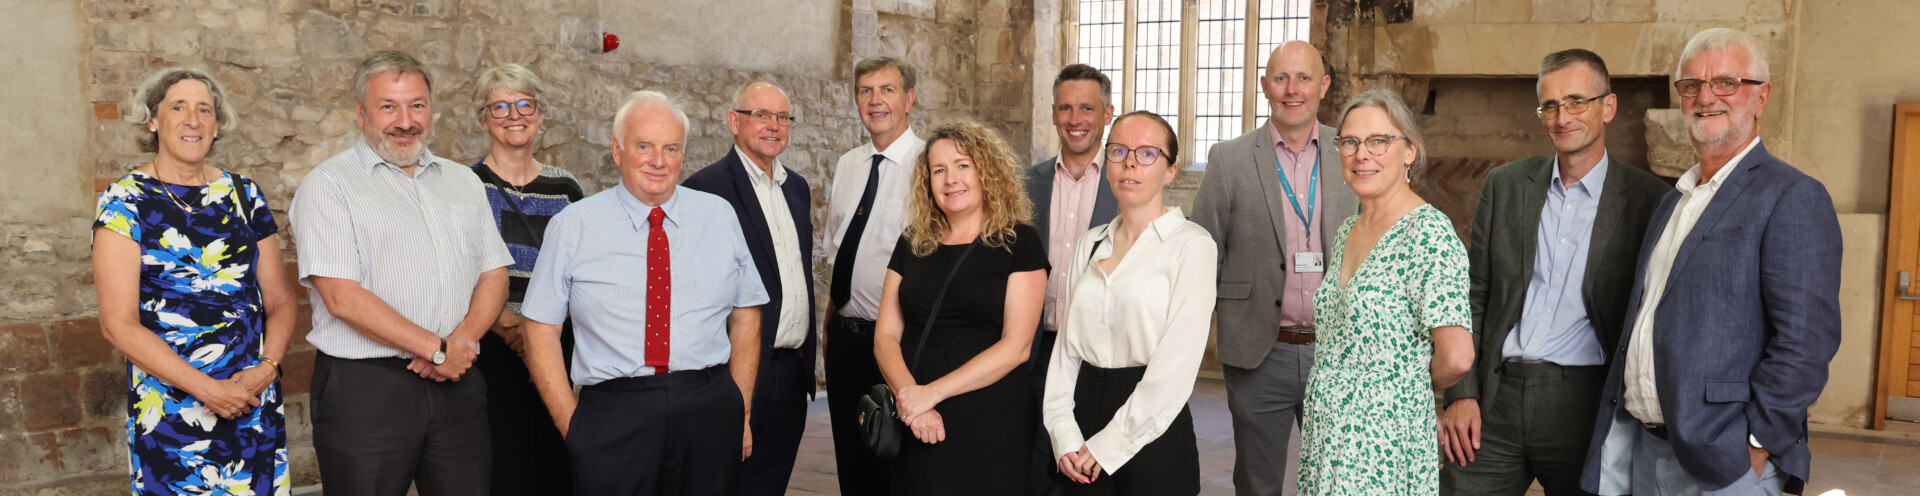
[1294, 84]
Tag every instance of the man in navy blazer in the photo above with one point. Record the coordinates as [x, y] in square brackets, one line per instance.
[773, 204]
[1735, 310]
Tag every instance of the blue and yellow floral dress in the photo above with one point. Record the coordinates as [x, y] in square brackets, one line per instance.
[198, 292]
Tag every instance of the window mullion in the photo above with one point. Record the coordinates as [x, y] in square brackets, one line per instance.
[1127, 62]
[1250, 92]
[1189, 75]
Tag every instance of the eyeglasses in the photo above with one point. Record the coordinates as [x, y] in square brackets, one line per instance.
[501, 110]
[1723, 86]
[1144, 156]
[1376, 144]
[1573, 105]
[766, 117]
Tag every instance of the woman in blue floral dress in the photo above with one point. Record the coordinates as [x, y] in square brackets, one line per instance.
[193, 291]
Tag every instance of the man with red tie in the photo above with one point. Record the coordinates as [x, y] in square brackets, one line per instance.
[663, 294]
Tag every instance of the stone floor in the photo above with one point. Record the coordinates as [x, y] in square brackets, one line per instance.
[1861, 464]
[1846, 462]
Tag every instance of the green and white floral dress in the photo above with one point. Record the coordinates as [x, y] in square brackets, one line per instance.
[1369, 413]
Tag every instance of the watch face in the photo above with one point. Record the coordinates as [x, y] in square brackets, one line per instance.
[439, 357]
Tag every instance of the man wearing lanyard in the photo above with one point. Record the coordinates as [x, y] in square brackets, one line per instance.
[1261, 200]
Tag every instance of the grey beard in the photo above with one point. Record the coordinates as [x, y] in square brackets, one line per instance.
[385, 150]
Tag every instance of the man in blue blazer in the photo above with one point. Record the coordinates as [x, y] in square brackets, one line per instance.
[1735, 310]
[773, 204]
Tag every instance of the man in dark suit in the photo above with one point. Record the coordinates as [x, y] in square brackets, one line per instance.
[1735, 309]
[772, 202]
[1273, 199]
[1548, 240]
[1070, 195]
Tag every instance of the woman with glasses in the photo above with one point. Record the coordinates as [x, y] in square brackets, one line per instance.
[194, 292]
[1135, 331]
[1394, 319]
[958, 310]
[529, 456]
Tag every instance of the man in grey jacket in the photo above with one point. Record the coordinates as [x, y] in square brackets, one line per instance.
[1270, 201]
[1551, 240]
[1070, 195]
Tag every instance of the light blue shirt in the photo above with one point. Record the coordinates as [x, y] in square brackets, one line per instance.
[1553, 325]
[593, 265]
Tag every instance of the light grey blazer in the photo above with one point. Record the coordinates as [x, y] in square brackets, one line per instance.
[1240, 203]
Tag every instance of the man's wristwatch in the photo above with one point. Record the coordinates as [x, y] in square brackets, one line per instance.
[440, 356]
[1754, 442]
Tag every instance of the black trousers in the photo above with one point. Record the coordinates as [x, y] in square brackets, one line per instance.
[378, 428]
[779, 420]
[672, 434]
[851, 371]
[1537, 427]
[529, 455]
[1168, 466]
[1046, 469]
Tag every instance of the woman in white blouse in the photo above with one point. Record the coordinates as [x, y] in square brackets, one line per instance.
[1136, 328]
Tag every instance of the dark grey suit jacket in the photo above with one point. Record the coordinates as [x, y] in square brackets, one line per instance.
[1505, 233]
[1040, 190]
[1744, 334]
[1241, 205]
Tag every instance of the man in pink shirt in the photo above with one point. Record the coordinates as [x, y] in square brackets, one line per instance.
[1070, 195]
[1272, 199]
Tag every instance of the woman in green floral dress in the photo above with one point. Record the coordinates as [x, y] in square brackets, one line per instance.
[1393, 321]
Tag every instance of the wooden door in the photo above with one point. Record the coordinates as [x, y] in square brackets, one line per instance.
[1898, 392]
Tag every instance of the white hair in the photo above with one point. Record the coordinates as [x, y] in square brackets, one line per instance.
[644, 98]
[1718, 39]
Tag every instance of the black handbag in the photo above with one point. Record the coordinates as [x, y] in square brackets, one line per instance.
[880, 425]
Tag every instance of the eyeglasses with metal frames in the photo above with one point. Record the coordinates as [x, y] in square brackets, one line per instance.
[766, 117]
[1723, 86]
[1573, 105]
[1377, 144]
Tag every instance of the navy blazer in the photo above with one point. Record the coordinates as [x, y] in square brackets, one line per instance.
[1743, 335]
[728, 180]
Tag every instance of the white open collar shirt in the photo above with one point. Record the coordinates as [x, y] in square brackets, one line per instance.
[791, 329]
[417, 242]
[1641, 396]
[1154, 309]
[884, 225]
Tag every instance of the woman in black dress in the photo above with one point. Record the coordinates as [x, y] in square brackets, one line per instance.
[967, 399]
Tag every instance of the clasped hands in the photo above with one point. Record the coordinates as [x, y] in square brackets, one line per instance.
[461, 353]
[914, 405]
[1080, 466]
[238, 394]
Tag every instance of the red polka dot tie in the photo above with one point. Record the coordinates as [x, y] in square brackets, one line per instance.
[659, 293]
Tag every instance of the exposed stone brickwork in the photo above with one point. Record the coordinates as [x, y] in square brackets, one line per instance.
[288, 68]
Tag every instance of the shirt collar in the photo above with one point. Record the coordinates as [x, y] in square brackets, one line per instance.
[1691, 180]
[1060, 169]
[637, 211]
[1313, 136]
[1162, 227]
[904, 148]
[753, 171]
[363, 151]
[1593, 181]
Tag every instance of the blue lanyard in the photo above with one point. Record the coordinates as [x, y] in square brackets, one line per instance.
[1313, 191]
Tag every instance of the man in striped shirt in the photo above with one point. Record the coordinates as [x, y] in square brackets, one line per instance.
[407, 273]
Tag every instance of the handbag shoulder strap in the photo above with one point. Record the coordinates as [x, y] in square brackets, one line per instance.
[934, 313]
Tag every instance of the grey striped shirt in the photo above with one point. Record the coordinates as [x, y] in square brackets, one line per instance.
[417, 242]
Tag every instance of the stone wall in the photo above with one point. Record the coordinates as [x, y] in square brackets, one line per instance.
[288, 65]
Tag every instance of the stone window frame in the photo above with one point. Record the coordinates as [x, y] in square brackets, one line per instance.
[1097, 22]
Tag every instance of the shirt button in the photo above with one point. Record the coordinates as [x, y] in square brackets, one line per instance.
[1549, 310]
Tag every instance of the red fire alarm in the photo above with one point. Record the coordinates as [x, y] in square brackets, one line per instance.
[608, 42]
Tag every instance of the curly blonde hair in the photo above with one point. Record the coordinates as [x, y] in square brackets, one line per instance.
[1004, 191]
